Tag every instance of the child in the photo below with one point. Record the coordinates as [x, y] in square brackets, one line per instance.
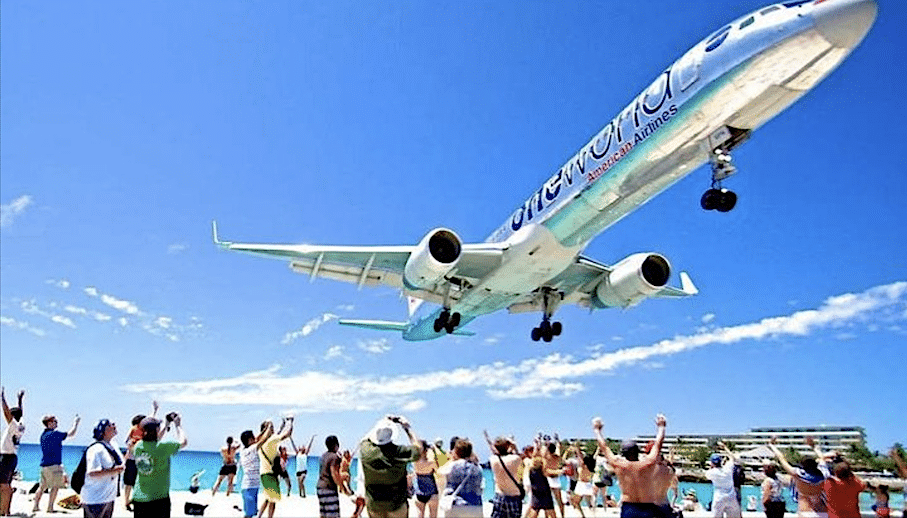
[358, 498]
[881, 506]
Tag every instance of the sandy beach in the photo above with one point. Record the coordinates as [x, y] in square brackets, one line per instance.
[222, 506]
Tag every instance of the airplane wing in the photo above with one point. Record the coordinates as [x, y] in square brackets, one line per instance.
[384, 325]
[372, 265]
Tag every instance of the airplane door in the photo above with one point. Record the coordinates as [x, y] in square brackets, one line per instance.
[687, 68]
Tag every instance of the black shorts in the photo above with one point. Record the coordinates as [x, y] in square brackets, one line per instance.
[130, 472]
[153, 509]
[8, 463]
[228, 469]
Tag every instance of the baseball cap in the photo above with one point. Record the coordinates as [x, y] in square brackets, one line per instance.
[715, 459]
[149, 421]
[629, 449]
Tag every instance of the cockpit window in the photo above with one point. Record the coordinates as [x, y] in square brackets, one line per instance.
[797, 3]
[717, 39]
[746, 23]
[769, 9]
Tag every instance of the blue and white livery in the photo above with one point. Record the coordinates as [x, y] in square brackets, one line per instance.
[697, 111]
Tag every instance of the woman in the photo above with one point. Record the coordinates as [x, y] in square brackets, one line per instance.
[541, 497]
[426, 490]
[464, 481]
[772, 495]
[808, 481]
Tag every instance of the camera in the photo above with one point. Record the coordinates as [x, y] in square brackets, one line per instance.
[171, 416]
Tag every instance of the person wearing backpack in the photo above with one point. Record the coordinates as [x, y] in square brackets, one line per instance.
[103, 465]
[151, 495]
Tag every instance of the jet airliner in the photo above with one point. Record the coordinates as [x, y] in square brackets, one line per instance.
[697, 111]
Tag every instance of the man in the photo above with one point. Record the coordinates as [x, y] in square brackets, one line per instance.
[505, 465]
[329, 479]
[664, 479]
[151, 495]
[103, 466]
[634, 473]
[251, 478]
[383, 465]
[9, 450]
[553, 470]
[52, 460]
[268, 454]
[724, 495]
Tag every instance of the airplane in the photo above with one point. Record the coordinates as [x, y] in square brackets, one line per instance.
[698, 110]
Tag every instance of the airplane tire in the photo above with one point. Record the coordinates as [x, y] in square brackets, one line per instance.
[454, 320]
[556, 328]
[547, 336]
[444, 317]
[536, 334]
[545, 328]
[727, 200]
[438, 325]
[450, 328]
[709, 200]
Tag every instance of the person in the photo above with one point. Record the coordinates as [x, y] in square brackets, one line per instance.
[151, 494]
[690, 502]
[194, 481]
[880, 506]
[302, 464]
[901, 468]
[541, 498]
[135, 435]
[842, 492]
[527, 459]
[772, 493]
[807, 480]
[664, 479]
[228, 468]
[464, 481]
[383, 464]
[601, 479]
[751, 503]
[52, 474]
[269, 456]
[9, 449]
[357, 495]
[103, 465]
[724, 494]
[251, 479]
[330, 481]
[551, 453]
[634, 473]
[284, 464]
[584, 489]
[506, 465]
[425, 487]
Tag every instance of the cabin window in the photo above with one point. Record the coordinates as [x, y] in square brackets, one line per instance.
[715, 41]
[769, 9]
[746, 23]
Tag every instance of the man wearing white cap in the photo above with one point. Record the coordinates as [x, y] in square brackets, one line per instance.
[383, 463]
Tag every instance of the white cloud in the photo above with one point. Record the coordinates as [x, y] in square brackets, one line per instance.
[24, 326]
[91, 291]
[414, 405]
[177, 248]
[61, 283]
[123, 322]
[555, 375]
[708, 317]
[64, 321]
[310, 327]
[119, 304]
[31, 307]
[377, 346]
[10, 211]
[346, 307]
[335, 351]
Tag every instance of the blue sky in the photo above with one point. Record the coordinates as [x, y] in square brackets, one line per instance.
[128, 127]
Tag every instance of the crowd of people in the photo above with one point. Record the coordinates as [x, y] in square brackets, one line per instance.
[397, 468]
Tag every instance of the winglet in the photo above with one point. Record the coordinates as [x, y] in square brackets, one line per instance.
[217, 241]
[686, 284]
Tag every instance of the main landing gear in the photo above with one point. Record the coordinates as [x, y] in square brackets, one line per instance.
[547, 329]
[719, 198]
[447, 321]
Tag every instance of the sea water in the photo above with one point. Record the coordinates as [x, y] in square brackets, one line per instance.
[188, 462]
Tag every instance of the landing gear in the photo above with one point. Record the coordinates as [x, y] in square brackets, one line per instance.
[719, 198]
[447, 321]
[547, 329]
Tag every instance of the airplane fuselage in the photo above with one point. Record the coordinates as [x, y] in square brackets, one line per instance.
[738, 78]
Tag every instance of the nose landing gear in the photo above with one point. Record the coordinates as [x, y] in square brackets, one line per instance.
[548, 329]
[719, 198]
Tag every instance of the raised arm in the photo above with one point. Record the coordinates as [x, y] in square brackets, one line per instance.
[661, 422]
[75, 426]
[772, 445]
[597, 426]
[490, 444]
[181, 437]
[899, 462]
[287, 428]
[264, 435]
[308, 447]
[6, 412]
[727, 451]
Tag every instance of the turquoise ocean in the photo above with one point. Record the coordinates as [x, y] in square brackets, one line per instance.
[188, 462]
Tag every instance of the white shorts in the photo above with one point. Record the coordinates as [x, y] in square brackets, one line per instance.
[554, 482]
[583, 489]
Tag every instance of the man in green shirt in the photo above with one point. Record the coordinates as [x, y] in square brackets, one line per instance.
[383, 465]
[151, 495]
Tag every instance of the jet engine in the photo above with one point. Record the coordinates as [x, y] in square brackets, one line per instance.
[633, 279]
[434, 257]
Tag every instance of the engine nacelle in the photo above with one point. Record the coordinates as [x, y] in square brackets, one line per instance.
[633, 279]
[434, 257]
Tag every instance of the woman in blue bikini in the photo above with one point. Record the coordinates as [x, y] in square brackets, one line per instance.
[426, 489]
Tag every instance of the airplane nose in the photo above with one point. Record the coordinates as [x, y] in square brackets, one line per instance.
[844, 23]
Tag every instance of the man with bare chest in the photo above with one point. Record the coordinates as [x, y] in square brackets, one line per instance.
[635, 473]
